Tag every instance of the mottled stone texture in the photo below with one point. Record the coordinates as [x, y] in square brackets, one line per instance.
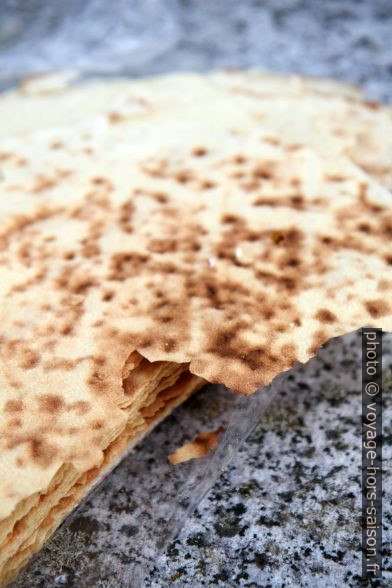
[286, 512]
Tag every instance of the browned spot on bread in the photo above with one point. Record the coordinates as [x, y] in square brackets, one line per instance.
[66, 329]
[250, 185]
[386, 229]
[99, 360]
[80, 406]
[280, 282]
[364, 227]
[24, 223]
[43, 183]
[292, 238]
[327, 240]
[377, 308]
[277, 236]
[319, 338]
[170, 345]
[289, 352]
[256, 358]
[238, 174]
[124, 265]
[166, 319]
[264, 170]
[295, 146]
[30, 360]
[98, 382]
[207, 184]
[362, 191]
[24, 253]
[115, 117]
[199, 151]
[325, 316]
[155, 168]
[23, 286]
[108, 295]
[74, 281]
[97, 424]
[335, 178]
[100, 181]
[295, 201]
[13, 406]
[51, 402]
[267, 202]
[230, 219]
[288, 261]
[90, 250]
[61, 363]
[267, 310]
[271, 140]
[162, 245]
[384, 285]
[227, 344]
[161, 197]
[126, 212]
[42, 452]
[372, 105]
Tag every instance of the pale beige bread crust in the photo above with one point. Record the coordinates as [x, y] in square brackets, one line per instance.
[325, 113]
[178, 221]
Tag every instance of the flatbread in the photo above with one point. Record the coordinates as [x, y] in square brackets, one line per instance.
[150, 246]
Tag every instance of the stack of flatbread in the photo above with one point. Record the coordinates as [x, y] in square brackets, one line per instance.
[158, 234]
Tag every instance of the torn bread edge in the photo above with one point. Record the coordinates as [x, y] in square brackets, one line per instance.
[36, 518]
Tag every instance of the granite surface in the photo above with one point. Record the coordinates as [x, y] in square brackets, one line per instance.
[286, 510]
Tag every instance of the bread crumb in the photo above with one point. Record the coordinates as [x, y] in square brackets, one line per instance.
[199, 447]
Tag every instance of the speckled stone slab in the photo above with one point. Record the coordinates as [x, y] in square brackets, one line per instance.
[286, 512]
